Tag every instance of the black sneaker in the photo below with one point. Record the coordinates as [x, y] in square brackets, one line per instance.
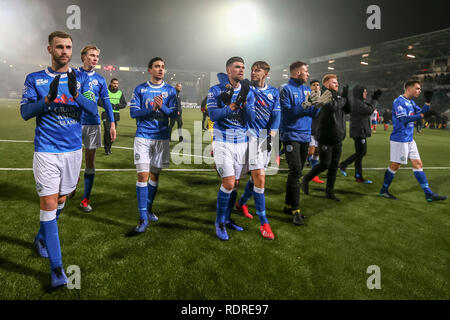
[386, 194]
[287, 211]
[435, 197]
[332, 196]
[298, 219]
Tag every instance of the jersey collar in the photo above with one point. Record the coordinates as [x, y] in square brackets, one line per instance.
[263, 88]
[155, 86]
[53, 74]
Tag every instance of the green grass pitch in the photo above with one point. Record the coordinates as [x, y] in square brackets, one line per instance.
[180, 257]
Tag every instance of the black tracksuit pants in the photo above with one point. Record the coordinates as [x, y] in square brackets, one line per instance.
[329, 160]
[360, 152]
[296, 153]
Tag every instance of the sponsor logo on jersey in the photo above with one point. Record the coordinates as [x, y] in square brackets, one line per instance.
[41, 82]
[64, 99]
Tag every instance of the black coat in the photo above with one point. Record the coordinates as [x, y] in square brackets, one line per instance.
[332, 129]
[360, 116]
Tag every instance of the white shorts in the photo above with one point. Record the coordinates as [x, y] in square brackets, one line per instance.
[314, 142]
[156, 153]
[92, 136]
[230, 158]
[402, 151]
[258, 156]
[56, 172]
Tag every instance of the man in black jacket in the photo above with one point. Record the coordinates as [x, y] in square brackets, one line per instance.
[330, 134]
[359, 131]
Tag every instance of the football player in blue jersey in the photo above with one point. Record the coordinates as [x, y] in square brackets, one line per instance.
[261, 131]
[403, 147]
[231, 108]
[152, 104]
[52, 97]
[298, 106]
[91, 128]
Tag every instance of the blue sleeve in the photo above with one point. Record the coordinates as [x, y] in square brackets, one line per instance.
[290, 109]
[34, 109]
[400, 113]
[171, 109]
[216, 112]
[30, 106]
[140, 113]
[136, 110]
[87, 105]
[104, 95]
[249, 109]
[275, 116]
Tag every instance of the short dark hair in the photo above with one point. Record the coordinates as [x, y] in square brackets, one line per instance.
[297, 64]
[261, 65]
[412, 82]
[58, 34]
[114, 79]
[314, 81]
[152, 61]
[233, 60]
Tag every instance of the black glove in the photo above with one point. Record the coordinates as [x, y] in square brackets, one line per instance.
[72, 83]
[226, 96]
[377, 94]
[53, 91]
[428, 94]
[345, 91]
[269, 143]
[242, 96]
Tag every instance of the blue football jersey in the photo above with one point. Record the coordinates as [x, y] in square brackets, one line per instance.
[60, 129]
[233, 127]
[402, 107]
[156, 124]
[295, 121]
[99, 88]
[267, 111]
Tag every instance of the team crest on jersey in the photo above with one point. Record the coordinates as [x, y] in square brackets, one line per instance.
[39, 187]
[41, 82]
[164, 94]
[270, 96]
[92, 84]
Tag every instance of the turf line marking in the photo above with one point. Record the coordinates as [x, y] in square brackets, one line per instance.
[213, 170]
[118, 147]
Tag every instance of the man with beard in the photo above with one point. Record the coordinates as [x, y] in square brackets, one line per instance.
[53, 98]
[331, 133]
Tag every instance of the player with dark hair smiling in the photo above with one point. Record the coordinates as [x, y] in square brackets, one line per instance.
[152, 104]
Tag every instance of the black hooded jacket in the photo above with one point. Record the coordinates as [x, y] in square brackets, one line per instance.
[331, 128]
[360, 115]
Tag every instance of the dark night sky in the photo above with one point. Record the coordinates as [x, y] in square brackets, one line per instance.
[193, 34]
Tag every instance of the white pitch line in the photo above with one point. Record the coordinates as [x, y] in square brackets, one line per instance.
[199, 170]
[118, 147]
